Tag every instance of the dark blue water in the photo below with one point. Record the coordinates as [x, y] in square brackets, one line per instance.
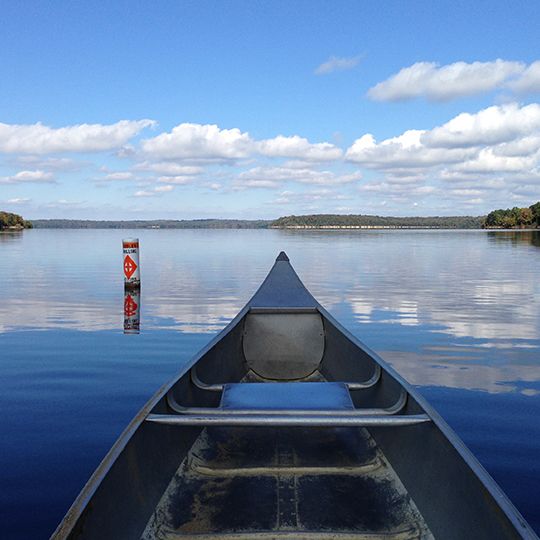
[457, 313]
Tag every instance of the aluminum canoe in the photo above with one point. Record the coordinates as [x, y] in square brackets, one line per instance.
[286, 426]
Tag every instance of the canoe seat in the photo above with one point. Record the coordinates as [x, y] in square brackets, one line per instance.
[330, 396]
[288, 404]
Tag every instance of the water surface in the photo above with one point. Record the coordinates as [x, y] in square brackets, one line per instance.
[456, 312]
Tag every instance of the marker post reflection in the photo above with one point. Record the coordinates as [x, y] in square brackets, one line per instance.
[132, 311]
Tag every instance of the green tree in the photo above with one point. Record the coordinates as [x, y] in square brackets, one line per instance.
[12, 220]
[535, 210]
[495, 218]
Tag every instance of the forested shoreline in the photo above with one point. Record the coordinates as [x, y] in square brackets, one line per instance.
[307, 221]
[151, 224]
[368, 221]
[511, 218]
[11, 221]
[514, 218]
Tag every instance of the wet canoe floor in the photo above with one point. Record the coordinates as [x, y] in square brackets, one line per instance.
[261, 482]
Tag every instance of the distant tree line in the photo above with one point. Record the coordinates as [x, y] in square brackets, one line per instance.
[13, 221]
[309, 221]
[514, 217]
[151, 224]
[510, 218]
[357, 220]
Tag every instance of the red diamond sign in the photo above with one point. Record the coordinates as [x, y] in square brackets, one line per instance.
[130, 306]
[129, 266]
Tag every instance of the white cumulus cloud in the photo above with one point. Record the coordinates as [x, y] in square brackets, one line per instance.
[163, 189]
[503, 138]
[493, 125]
[298, 147]
[41, 139]
[406, 150]
[211, 143]
[271, 177]
[196, 141]
[529, 81]
[488, 162]
[28, 177]
[152, 192]
[443, 83]
[168, 167]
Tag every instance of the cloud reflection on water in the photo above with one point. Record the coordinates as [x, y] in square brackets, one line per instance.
[430, 368]
[498, 311]
[438, 294]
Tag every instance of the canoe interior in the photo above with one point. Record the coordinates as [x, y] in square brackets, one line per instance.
[285, 483]
[172, 482]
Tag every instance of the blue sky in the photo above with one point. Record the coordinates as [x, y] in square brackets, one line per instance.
[250, 109]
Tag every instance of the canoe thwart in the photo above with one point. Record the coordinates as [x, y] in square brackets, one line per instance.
[288, 420]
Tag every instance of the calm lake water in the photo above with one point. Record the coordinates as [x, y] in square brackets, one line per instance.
[456, 312]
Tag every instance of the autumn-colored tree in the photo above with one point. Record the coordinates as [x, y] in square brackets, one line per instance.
[514, 217]
[525, 217]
